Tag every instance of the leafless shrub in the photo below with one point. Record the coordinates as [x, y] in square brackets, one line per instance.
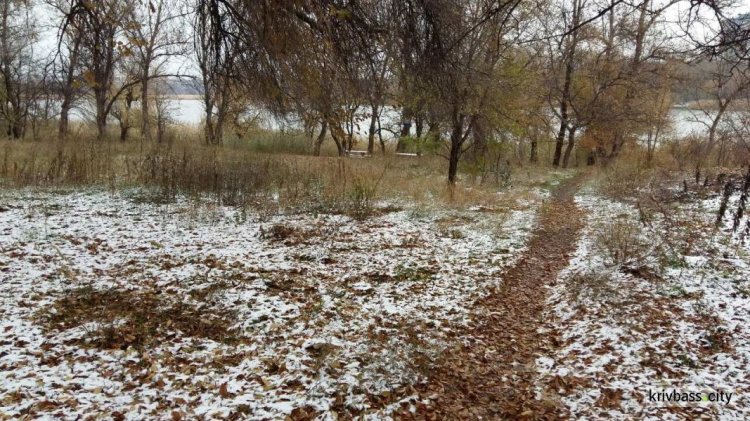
[360, 200]
[728, 189]
[592, 285]
[623, 180]
[742, 203]
[622, 243]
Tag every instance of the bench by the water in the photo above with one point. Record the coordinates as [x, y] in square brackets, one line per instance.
[357, 154]
[364, 154]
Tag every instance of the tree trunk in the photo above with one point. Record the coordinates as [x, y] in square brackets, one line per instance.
[563, 112]
[209, 131]
[209, 124]
[568, 81]
[17, 129]
[68, 90]
[571, 144]
[125, 120]
[456, 141]
[101, 127]
[62, 130]
[221, 116]
[615, 147]
[145, 114]
[591, 158]
[335, 135]
[534, 154]
[712, 130]
[559, 145]
[433, 132]
[124, 128]
[373, 128]
[479, 135]
[321, 137]
[380, 138]
[100, 97]
[406, 118]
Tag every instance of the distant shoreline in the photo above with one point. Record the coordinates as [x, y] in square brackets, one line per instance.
[180, 97]
[710, 104]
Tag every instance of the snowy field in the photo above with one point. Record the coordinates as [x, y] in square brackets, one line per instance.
[131, 310]
[666, 313]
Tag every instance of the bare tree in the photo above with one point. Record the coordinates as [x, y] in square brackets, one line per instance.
[156, 32]
[723, 82]
[21, 72]
[66, 74]
[215, 54]
[568, 46]
[101, 27]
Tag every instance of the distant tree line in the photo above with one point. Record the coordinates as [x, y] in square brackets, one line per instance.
[470, 78]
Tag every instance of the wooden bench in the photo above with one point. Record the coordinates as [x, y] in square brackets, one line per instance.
[357, 154]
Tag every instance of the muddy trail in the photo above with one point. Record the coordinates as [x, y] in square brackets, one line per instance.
[492, 376]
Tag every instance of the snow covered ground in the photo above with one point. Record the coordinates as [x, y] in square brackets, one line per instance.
[668, 313]
[137, 311]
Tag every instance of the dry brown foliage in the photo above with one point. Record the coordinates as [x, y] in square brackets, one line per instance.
[121, 318]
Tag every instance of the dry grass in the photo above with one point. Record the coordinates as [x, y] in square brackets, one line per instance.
[237, 174]
[686, 161]
[583, 287]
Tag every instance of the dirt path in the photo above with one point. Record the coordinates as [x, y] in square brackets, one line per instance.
[493, 378]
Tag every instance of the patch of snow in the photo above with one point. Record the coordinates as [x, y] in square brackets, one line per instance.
[329, 316]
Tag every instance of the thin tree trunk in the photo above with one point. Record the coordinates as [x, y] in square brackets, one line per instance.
[433, 132]
[350, 139]
[221, 117]
[563, 113]
[419, 126]
[380, 138]
[335, 135]
[405, 127]
[62, 130]
[479, 135]
[373, 128]
[209, 129]
[571, 144]
[591, 158]
[145, 113]
[321, 137]
[714, 127]
[68, 91]
[100, 97]
[569, 62]
[456, 141]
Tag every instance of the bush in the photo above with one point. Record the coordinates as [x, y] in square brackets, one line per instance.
[622, 244]
[592, 285]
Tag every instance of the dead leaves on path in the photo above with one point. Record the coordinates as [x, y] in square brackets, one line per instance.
[493, 375]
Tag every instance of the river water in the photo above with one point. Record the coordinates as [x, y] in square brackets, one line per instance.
[190, 111]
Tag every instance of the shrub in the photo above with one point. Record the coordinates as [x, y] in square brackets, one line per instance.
[622, 244]
[592, 285]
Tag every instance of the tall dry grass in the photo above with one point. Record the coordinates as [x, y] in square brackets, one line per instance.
[263, 172]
